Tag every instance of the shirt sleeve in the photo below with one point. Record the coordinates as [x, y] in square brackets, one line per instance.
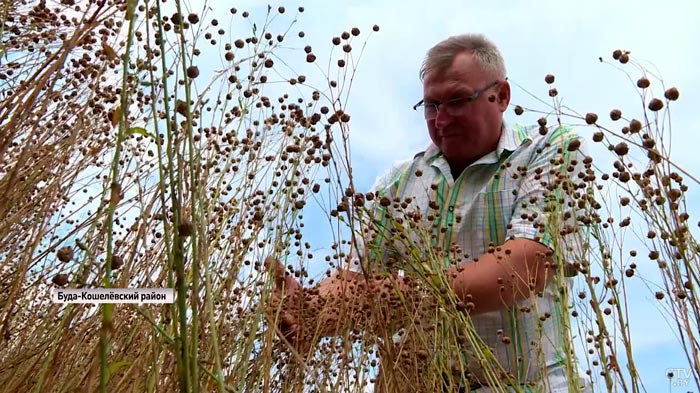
[545, 209]
[372, 222]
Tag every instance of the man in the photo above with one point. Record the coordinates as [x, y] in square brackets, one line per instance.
[491, 201]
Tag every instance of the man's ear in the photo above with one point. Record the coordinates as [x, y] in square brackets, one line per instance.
[502, 97]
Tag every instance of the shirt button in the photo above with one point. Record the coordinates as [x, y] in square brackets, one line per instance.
[451, 208]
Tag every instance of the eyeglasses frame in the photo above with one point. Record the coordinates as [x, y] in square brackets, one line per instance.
[471, 98]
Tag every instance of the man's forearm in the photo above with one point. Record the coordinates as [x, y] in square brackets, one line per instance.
[517, 269]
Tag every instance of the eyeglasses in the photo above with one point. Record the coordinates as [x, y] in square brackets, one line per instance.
[453, 107]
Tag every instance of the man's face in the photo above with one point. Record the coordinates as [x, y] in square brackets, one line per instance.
[476, 129]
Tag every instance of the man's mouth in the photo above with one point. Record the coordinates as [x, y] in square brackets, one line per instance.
[447, 134]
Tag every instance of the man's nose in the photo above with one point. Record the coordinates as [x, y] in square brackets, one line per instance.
[443, 119]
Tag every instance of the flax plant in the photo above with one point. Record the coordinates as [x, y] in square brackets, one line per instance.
[148, 144]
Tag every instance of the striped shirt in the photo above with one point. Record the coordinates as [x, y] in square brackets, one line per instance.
[501, 195]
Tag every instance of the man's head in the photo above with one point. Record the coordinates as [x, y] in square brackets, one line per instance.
[454, 70]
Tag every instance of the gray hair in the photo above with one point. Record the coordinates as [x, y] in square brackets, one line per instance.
[441, 56]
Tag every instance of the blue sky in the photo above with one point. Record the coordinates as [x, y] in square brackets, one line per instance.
[564, 38]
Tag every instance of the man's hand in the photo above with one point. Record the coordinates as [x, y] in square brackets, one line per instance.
[285, 305]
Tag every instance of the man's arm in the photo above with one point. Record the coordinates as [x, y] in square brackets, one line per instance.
[348, 300]
[514, 271]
